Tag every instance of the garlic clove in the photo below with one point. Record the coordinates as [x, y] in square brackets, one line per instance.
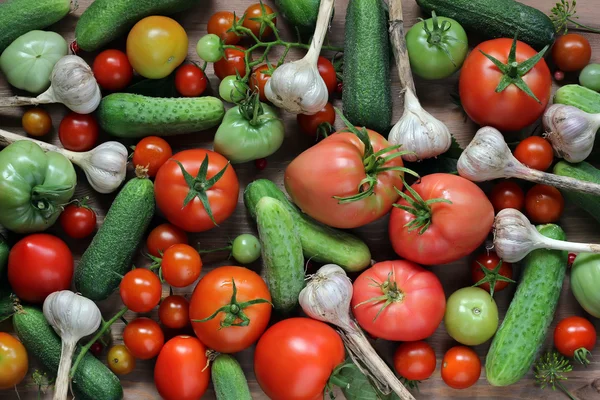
[105, 166]
[571, 131]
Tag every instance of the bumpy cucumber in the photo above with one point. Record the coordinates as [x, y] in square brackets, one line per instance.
[584, 172]
[578, 96]
[228, 379]
[300, 13]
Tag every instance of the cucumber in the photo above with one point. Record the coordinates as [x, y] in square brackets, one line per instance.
[301, 14]
[4, 250]
[92, 380]
[105, 20]
[496, 19]
[109, 255]
[281, 252]
[7, 303]
[578, 96]
[228, 379]
[17, 17]
[128, 115]
[522, 333]
[367, 98]
[320, 242]
[584, 172]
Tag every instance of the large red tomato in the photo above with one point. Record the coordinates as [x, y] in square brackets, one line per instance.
[512, 108]
[441, 232]
[238, 325]
[295, 357]
[331, 180]
[183, 189]
[413, 293]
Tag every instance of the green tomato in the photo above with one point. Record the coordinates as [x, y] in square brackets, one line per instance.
[28, 61]
[34, 186]
[585, 281]
[210, 48]
[437, 47]
[232, 90]
[471, 316]
[246, 248]
[590, 77]
[4, 250]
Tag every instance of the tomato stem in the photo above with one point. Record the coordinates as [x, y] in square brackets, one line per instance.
[492, 277]
[418, 207]
[581, 356]
[390, 294]
[435, 35]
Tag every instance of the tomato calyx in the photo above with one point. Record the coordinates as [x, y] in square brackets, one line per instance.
[581, 356]
[492, 276]
[390, 294]
[252, 110]
[265, 20]
[436, 35]
[418, 207]
[43, 198]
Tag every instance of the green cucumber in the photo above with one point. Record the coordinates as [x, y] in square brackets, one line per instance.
[301, 14]
[320, 242]
[105, 20]
[128, 115]
[228, 379]
[367, 98]
[7, 304]
[584, 172]
[109, 255]
[521, 335]
[17, 17]
[92, 380]
[281, 252]
[496, 19]
[578, 96]
[4, 250]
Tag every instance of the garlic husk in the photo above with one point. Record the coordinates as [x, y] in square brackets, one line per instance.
[571, 131]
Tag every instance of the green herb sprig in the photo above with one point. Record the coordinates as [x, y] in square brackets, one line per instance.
[563, 13]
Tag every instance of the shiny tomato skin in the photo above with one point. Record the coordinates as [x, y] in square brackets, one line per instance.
[120, 360]
[507, 194]
[36, 122]
[571, 52]
[421, 298]
[38, 265]
[461, 367]
[112, 70]
[295, 357]
[232, 62]
[164, 236]
[143, 338]
[456, 229]
[334, 167]
[213, 292]
[219, 23]
[310, 124]
[181, 265]
[174, 312]
[512, 109]
[259, 79]
[327, 72]
[151, 152]
[573, 333]
[77, 221]
[255, 11]
[190, 80]
[490, 260]
[544, 204]
[181, 371]
[140, 290]
[535, 152]
[13, 361]
[78, 132]
[414, 361]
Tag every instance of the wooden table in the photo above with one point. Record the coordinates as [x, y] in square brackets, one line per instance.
[435, 96]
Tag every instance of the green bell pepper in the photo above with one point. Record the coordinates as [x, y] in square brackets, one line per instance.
[33, 186]
[585, 281]
[28, 61]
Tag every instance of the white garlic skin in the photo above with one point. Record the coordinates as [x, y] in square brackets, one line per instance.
[571, 131]
[105, 166]
[514, 236]
[71, 315]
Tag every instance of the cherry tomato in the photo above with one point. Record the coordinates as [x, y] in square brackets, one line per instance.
[140, 290]
[233, 61]
[571, 259]
[461, 367]
[219, 23]
[13, 361]
[571, 52]
[559, 75]
[507, 194]
[190, 81]
[260, 164]
[164, 236]
[151, 153]
[490, 260]
[210, 48]
[181, 265]
[575, 337]
[112, 70]
[78, 221]
[255, 11]
[259, 79]
[327, 72]
[143, 338]
[120, 360]
[96, 348]
[535, 152]
[36, 122]
[318, 123]
[544, 204]
[78, 132]
[174, 312]
[414, 361]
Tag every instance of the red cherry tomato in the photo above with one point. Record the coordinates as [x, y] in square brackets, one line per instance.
[232, 62]
[96, 349]
[78, 221]
[571, 52]
[575, 337]
[259, 79]
[490, 260]
[322, 121]
[327, 72]
[78, 132]
[219, 23]
[507, 194]
[151, 153]
[414, 361]
[254, 12]
[181, 265]
[164, 236]
[112, 70]
[190, 81]
[174, 312]
[140, 290]
[143, 338]
[544, 204]
[535, 152]
[461, 367]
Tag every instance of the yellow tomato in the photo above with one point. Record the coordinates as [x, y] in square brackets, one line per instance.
[13, 361]
[156, 46]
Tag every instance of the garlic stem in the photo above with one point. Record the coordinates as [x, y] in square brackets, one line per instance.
[16, 101]
[62, 380]
[323, 19]
[398, 39]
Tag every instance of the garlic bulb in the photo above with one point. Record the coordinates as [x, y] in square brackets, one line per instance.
[571, 131]
[297, 86]
[72, 317]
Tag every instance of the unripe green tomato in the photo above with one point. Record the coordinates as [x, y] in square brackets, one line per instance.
[232, 90]
[210, 48]
[246, 248]
[471, 316]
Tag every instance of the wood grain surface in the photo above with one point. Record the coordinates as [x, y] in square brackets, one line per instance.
[435, 97]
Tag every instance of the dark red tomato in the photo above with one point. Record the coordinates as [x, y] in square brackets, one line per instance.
[233, 61]
[96, 349]
[414, 361]
[544, 204]
[78, 132]
[164, 236]
[327, 72]
[143, 338]
[181, 265]
[571, 52]
[140, 290]
[253, 17]
[321, 122]
[151, 153]
[575, 337]
[259, 79]
[78, 221]
[190, 81]
[174, 312]
[535, 152]
[112, 70]
[219, 23]
[490, 260]
[507, 194]
[461, 367]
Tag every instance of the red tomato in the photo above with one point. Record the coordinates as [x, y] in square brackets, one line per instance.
[259, 79]
[535, 152]
[457, 228]
[164, 236]
[214, 291]
[219, 23]
[413, 292]
[38, 265]
[253, 16]
[490, 260]
[78, 221]
[507, 194]
[112, 70]
[295, 357]
[511, 109]
[232, 62]
[461, 367]
[414, 361]
[140, 290]
[190, 81]
[327, 72]
[174, 312]
[571, 52]
[544, 204]
[78, 132]
[13, 361]
[321, 122]
[151, 153]
[143, 338]
[335, 167]
[171, 190]
[575, 337]
[181, 371]
[181, 265]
